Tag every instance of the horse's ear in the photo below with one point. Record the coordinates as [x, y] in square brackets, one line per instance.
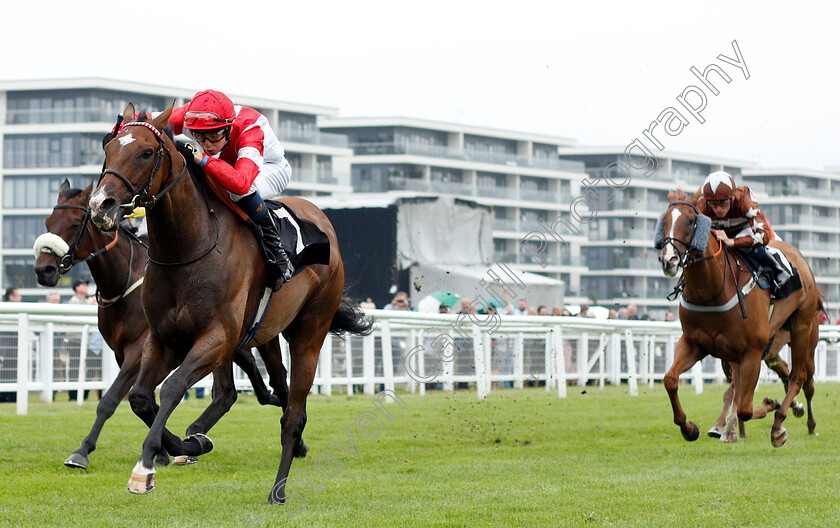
[129, 113]
[64, 186]
[162, 120]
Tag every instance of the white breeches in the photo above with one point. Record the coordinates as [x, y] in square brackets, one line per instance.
[271, 181]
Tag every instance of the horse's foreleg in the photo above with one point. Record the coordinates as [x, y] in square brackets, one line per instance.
[106, 407]
[198, 363]
[746, 375]
[718, 429]
[304, 363]
[685, 356]
[728, 435]
[224, 396]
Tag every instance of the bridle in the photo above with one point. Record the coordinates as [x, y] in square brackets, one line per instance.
[66, 262]
[138, 196]
[146, 186]
[686, 259]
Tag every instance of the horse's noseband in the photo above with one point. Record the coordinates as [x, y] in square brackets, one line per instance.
[684, 256]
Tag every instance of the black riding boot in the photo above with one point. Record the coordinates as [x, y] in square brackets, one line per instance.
[766, 258]
[279, 268]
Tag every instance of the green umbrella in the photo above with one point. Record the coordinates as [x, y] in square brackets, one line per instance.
[445, 297]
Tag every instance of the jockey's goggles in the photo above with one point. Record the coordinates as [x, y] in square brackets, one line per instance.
[212, 136]
[201, 119]
[720, 203]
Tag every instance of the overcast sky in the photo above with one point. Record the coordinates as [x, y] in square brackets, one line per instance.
[598, 72]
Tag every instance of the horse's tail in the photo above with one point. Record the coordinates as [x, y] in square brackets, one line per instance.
[821, 301]
[350, 318]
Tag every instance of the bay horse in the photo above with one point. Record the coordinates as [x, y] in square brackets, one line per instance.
[712, 323]
[117, 265]
[204, 281]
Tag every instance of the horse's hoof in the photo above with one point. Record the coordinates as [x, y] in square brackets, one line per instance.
[301, 449]
[76, 461]
[798, 409]
[715, 432]
[205, 445]
[729, 438]
[140, 484]
[184, 460]
[693, 434]
[778, 440]
[772, 404]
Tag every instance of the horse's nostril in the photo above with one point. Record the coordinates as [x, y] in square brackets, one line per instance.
[108, 204]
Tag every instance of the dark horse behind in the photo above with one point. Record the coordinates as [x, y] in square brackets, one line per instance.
[117, 264]
[203, 284]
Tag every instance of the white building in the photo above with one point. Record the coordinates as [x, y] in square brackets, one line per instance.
[52, 130]
[519, 175]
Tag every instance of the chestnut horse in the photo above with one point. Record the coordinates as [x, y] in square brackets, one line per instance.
[204, 282]
[712, 322]
[117, 264]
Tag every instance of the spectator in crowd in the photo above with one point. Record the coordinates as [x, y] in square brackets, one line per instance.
[613, 314]
[80, 293]
[532, 311]
[645, 317]
[557, 310]
[824, 320]
[521, 308]
[54, 298]
[368, 304]
[632, 313]
[12, 295]
[542, 310]
[669, 317]
[443, 309]
[467, 307]
[399, 302]
[584, 311]
[622, 313]
[566, 313]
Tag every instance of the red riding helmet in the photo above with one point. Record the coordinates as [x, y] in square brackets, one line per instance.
[718, 186]
[209, 110]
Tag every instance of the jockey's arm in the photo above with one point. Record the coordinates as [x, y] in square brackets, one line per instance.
[758, 224]
[249, 160]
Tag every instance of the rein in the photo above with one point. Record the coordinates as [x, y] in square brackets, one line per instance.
[146, 186]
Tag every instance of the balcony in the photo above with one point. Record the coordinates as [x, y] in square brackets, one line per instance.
[320, 177]
[442, 151]
[550, 259]
[324, 139]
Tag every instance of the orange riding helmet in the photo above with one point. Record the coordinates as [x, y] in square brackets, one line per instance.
[209, 110]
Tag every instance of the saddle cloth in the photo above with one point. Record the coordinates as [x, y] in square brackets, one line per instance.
[764, 276]
[303, 241]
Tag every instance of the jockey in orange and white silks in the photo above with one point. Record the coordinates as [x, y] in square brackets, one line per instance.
[737, 220]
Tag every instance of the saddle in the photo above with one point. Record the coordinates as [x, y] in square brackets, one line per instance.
[765, 276]
[304, 243]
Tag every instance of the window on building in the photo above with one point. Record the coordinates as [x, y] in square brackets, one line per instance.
[20, 232]
[21, 192]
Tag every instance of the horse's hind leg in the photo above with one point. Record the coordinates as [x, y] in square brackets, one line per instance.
[775, 362]
[273, 358]
[107, 405]
[685, 356]
[803, 338]
[809, 378]
[248, 364]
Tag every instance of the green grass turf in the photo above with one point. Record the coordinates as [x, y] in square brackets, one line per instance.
[519, 458]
